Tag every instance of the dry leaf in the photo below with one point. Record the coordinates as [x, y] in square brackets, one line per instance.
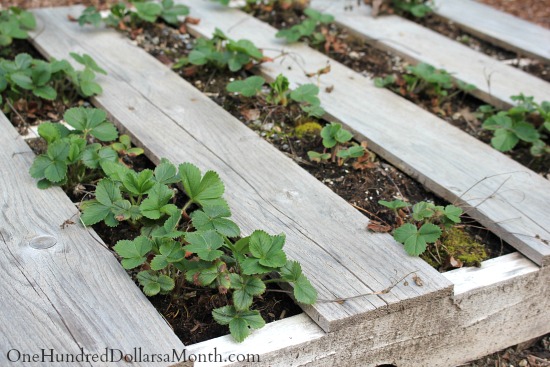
[418, 281]
[71, 18]
[250, 114]
[164, 59]
[192, 20]
[378, 227]
[182, 29]
[455, 263]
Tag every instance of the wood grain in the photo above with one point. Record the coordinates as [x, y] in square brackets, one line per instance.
[496, 82]
[265, 189]
[498, 27]
[61, 288]
[503, 195]
[482, 320]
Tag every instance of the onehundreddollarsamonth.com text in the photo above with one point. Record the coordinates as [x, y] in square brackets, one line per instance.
[109, 355]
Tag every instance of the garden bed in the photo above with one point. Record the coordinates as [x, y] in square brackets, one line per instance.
[384, 287]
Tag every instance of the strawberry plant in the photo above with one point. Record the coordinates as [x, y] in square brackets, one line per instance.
[142, 11]
[27, 77]
[527, 122]
[416, 8]
[222, 52]
[168, 254]
[335, 138]
[308, 28]
[306, 96]
[423, 78]
[73, 154]
[14, 24]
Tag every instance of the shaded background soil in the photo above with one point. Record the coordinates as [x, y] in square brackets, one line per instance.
[534, 353]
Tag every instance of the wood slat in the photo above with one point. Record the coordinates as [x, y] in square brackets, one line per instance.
[496, 82]
[61, 288]
[503, 195]
[265, 189]
[498, 27]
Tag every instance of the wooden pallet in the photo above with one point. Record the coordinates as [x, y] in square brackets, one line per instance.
[411, 326]
[500, 193]
[496, 82]
[61, 288]
[169, 118]
[497, 27]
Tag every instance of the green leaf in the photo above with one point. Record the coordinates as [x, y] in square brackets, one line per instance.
[240, 322]
[248, 87]
[87, 61]
[251, 266]
[453, 213]
[215, 218]
[170, 252]
[394, 205]
[355, 151]
[499, 121]
[204, 244]
[268, 249]
[245, 289]
[138, 183]
[22, 80]
[504, 140]
[45, 92]
[157, 202]
[166, 173]
[107, 192]
[422, 210]
[526, 132]
[306, 93]
[53, 164]
[154, 284]
[94, 212]
[304, 291]
[148, 11]
[200, 190]
[415, 240]
[134, 253]
[51, 131]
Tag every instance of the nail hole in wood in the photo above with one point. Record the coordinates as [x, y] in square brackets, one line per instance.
[386, 365]
[42, 242]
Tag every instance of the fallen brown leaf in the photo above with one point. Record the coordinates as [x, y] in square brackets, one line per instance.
[250, 114]
[418, 281]
[378, 227]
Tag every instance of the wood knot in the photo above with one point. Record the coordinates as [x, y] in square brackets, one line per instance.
[42, 242]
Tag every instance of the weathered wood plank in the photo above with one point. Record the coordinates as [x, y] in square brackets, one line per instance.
[170, 118]
[67, 291]
[482, 320]
[498, 27]
[504, 196]
[496, 82]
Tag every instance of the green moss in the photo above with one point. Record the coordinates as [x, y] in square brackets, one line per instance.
[308, 129]
[457, 244]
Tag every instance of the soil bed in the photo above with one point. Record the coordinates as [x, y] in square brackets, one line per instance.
[363, 188]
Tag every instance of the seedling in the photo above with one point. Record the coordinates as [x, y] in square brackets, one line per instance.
[426, 223]
[514, 125]
[222, 52]
[308, 29]
[70, 156]
[143, 11]
[305, 95]
[423, 78]
[336, 138]
[26, 77]
[14, 24]
[416, 8]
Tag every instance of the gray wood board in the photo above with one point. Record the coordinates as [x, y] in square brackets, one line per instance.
[496, 82]
[495, 26]
[169, 118]
[61, 288]
[503, 195]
